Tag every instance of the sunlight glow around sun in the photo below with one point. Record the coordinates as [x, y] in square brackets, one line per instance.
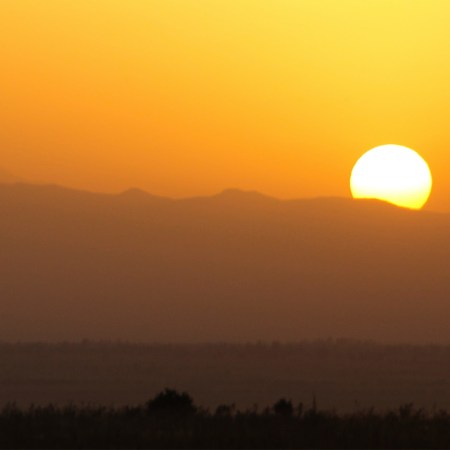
[392, 173]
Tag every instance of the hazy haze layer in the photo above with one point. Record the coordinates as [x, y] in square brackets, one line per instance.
[233, 267]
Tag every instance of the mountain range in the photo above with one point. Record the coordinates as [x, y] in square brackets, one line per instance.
[237, 266]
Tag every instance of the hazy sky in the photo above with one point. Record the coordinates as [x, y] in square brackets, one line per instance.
[186, 97]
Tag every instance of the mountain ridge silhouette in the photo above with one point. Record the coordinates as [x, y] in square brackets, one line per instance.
[229, 194]
[132, 266]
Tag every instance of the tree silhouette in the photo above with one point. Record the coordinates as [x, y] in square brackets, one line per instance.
[172, 402]
[283, 407]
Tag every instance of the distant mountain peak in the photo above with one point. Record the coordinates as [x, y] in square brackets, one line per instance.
[141, 195]
[7, 177]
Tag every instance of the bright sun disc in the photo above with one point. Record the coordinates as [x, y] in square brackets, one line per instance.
[392, 173]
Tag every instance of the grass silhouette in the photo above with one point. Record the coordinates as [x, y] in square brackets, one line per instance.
[171, 420]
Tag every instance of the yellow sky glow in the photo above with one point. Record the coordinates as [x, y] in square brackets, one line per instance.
[188, 97]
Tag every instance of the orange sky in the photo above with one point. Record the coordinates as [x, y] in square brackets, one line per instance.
[187, 97]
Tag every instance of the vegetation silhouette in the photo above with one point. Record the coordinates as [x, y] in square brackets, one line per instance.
[171, 420]
[170, 402]
[283, 407]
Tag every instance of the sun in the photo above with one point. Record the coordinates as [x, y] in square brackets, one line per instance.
[393, 173]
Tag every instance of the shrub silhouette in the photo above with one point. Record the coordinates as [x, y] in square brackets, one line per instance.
[225, 410]
[283, 407]
[171, 402]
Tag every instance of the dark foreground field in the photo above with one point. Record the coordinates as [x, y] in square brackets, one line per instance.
[339, 394]
[171, 420]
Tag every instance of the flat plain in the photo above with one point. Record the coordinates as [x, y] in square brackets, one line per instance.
[346, 375]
